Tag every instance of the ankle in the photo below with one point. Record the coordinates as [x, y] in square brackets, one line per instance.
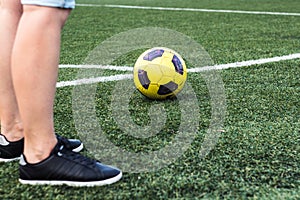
[36, 157]
[37, 152]
[13, 132]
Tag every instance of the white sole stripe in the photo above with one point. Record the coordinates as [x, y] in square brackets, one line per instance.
[191, 9]
[73, 183]
[9, 160]
[130, 76]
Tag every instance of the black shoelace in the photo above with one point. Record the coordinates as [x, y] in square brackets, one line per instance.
[77, 157]
[63, 140]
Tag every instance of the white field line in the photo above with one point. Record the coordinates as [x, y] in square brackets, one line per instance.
[94, 80]
[246, 63]
[197, 69]
[191, 9]
[109, 67]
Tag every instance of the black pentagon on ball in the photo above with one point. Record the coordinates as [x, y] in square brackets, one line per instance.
[154, 54]
[177, 64]
[143, 78]
[167, 88]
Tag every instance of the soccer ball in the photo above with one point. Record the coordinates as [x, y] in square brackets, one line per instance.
[159, 73]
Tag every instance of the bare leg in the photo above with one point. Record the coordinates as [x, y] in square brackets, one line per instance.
[10, 13]
[35, 60]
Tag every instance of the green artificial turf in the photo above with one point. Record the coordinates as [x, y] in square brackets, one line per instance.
[257, 153]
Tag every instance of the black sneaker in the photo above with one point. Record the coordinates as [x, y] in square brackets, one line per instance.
[10, 151]
[64, 166]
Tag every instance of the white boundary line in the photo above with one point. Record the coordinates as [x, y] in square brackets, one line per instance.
[130, 76]
[246, 63]
[109, 67]
[94, 80]
[190, 9]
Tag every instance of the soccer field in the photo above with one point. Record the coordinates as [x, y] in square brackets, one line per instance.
[233, 132]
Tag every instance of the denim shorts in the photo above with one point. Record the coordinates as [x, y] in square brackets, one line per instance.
[51, 3]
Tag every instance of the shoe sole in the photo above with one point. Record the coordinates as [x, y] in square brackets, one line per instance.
[9, 159]
[73, 183]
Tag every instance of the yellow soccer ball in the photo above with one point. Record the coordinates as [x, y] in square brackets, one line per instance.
[160, 73]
